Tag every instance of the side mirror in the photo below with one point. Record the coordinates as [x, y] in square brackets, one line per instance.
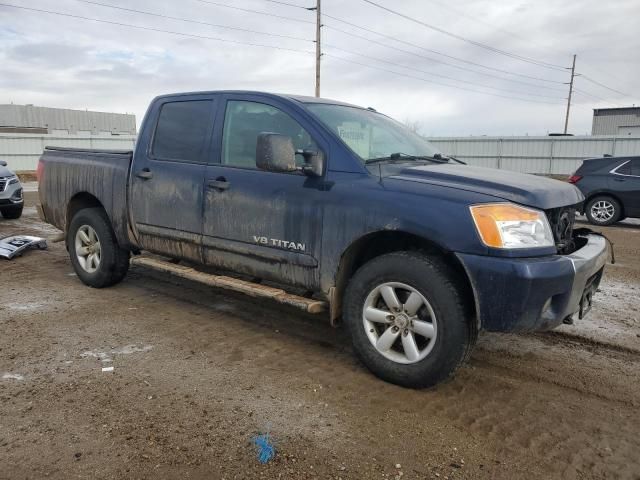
[313, 163]
[3, 163]
[275, 153]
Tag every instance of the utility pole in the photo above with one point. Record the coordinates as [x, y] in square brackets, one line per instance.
[318, 48]
[573, 74]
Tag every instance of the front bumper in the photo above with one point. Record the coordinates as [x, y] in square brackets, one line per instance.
[11, 195]
[534, 294]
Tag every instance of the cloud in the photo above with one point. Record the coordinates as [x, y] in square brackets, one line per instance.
[74, 63]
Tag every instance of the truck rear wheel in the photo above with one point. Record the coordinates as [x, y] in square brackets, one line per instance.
[408, 319]
[95, 254]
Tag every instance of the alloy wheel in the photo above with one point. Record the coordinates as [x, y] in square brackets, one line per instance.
[399, 322]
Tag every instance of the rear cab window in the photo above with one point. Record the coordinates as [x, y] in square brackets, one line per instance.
[182, 131]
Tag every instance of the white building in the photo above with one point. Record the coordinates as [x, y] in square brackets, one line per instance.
[616, 121]
[63, 121]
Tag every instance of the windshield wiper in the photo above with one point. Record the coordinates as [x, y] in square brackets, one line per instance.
[439, 156]
[395, 157]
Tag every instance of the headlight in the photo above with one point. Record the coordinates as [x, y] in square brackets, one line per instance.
[13, 180]
[506, 225]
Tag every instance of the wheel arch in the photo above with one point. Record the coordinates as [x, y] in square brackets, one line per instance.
[78, 202]
[378, 243]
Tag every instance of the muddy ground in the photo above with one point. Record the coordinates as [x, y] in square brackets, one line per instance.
[199, 372]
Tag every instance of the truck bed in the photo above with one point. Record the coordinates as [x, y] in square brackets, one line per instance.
[72, 173]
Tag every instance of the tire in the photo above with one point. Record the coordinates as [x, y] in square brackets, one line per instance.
[443, 303]
[12, 212]
[111, 263]
[603, 210]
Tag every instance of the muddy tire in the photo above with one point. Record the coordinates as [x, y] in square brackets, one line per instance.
[96, 257]
[12, 212]
[409, 319]
[603, 210]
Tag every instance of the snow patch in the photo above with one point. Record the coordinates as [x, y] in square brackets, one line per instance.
[105, 357]
[23, 306]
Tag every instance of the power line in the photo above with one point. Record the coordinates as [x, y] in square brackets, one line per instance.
[351, 52]
[90, 2]
[140, 27]
[395, 39]
[233, 7]
[287, 4]
[187, 20]
[595, 97]
[436, 82]
[452, 65]
[467, 40]
[587, 94]
[478, 20]
[589, 79]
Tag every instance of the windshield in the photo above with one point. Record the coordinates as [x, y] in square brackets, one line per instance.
[370, 134]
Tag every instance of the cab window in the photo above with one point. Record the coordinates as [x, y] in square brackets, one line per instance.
[244, 121]
[182, 131]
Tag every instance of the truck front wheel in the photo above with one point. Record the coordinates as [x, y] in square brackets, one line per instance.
[408, 319]
[95, 254]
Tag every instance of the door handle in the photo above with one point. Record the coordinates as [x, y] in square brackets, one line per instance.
[219, 183]
[144, 174]
[618, 179]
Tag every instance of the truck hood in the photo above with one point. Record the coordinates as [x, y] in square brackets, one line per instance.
[522, 188]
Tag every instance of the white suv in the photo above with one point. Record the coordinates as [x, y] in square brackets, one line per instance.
[11, 199]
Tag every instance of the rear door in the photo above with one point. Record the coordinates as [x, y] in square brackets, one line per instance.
[167, 180]
[625, 183]
[265, 224]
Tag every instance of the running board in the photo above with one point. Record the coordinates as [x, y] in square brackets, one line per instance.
[253, 289]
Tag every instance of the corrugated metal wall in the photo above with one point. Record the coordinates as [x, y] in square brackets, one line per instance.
[71, 121]
[21, 151]
[611, 121]
[543, 155]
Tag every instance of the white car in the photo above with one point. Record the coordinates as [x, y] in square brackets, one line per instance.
[11, 199]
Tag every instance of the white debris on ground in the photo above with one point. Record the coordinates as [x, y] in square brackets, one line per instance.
[106, 357]
[12, 376]
[23, 306]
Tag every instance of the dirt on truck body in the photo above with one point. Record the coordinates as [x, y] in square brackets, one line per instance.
[199, 372]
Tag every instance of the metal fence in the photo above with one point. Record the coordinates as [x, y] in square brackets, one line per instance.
[21, 151]
[542, 155]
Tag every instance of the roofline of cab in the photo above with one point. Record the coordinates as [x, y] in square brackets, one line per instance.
[302, 99]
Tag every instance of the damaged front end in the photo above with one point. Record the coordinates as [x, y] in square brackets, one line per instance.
[562, 222]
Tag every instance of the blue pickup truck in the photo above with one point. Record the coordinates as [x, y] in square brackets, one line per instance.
[412, 250]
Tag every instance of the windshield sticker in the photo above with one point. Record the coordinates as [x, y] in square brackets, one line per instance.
[357, 137]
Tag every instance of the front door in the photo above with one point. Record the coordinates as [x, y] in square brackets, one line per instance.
[167, 180]
[265, 224]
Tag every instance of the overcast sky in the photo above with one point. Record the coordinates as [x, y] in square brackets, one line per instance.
[57, 61]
